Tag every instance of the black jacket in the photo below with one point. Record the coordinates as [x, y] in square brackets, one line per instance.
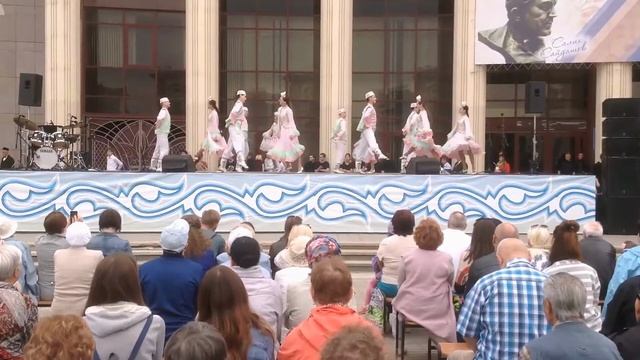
[600, 255]
[7, 163]
[621, 310]
[479, 268]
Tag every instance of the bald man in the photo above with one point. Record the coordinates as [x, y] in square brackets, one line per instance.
[489, 263]
[504, 310]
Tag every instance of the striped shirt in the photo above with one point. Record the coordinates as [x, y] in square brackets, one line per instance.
[504, 311]
[591, 282]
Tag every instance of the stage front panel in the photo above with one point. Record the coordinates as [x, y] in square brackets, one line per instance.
[329, 203]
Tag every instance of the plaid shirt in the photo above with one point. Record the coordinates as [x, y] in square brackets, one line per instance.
[504, 311]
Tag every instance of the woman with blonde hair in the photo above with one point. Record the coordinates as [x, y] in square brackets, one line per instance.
[540, 241]
[302, 230]
[60, 337]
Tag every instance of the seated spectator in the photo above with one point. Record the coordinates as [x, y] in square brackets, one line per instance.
[244, 229]
[311, 165]
[223, 303]
[299, 230]
[264, 293]
[502, 166]
[445, 165]
[281, 244]
[598, 253]
[331, 291]
[504, 311]
[210, 220]
[55, 225]
[393, 248]
[627, 341]
[489, 263]
[354, 342]
[198, 247]
[196, 341]
[565, 299]
[300, 301]
[323, 164]
[455, 240]
[170, 282]
[540, 241]
[298, 270]
[122, 326]
[107, 241]
[425, 279]
[74, 268]
[565, 257]
[60, 337]
[28, 279]
[481, 245]
[348, 165]
[18, 313]
[620, 314]
[269, 165]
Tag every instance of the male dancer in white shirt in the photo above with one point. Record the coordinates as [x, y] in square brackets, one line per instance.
[366, 149]
[113, 163]
[236, 142]
[339, 140]
[163, 126]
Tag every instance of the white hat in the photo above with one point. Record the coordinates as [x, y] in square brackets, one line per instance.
[342, 110]
[164, 100]
[78, 234]
[413, 105]
[174, 237]
[369, 94]
[238, 232]
[241, 92]
[275, 113]
[209, 98]
[294, 254]
[283, 94]
[419, 98]
[8, 227]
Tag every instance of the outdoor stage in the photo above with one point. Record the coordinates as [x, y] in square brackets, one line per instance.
[329, 203]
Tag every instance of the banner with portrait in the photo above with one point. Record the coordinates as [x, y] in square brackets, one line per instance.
[555, 32]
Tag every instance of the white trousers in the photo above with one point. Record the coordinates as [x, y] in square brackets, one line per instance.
[366, 147]
[161, 150]
[339, 150]
[236, 143]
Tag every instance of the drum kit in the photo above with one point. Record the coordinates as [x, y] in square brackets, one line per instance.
[50, 147]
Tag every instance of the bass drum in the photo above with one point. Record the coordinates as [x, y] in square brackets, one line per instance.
[45, 158]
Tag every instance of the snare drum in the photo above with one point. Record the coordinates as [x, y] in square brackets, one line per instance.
[45, 157]
[59, 140]
[38, 138]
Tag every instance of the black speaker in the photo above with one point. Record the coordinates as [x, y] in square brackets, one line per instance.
[621, 107]
[30, 92]
[622, 147]
[628, 127]
[622, 215]
[178, 163]
[622, 176]
[423, 165]
[535, 97]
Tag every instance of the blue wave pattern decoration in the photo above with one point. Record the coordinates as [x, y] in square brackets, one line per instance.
[329, 203]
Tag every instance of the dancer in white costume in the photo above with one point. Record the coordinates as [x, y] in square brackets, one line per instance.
[339, 140]
[461, 139]
[213, 140]
[287, 149]
[270, 137]
[409, 132]
[366, 149]
[163, 126]
[236, 142]
[245, 130]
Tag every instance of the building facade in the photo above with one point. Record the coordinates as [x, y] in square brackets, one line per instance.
[109, 61]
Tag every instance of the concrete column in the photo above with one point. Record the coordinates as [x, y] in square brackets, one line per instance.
[469, 80]
[202, 68]
[336, 36]
[613, 80]
[63, 66]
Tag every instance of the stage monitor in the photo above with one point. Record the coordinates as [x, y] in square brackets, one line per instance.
[178, 163]
[423, 165]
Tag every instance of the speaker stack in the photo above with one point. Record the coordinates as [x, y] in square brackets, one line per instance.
[30, 92]
[621, 165]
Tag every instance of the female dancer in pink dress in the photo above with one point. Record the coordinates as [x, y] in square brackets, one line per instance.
[287, 149]
[461, 139]
[270, 137]
[418, 136]
[213, 141]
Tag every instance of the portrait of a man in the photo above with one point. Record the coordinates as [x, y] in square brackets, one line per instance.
[521, 39]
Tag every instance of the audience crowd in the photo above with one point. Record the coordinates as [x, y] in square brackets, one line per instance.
[553, 296]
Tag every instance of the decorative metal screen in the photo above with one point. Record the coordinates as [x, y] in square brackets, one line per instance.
[132, 141]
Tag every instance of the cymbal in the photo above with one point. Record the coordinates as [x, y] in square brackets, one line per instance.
[22, 121]
[71, 126]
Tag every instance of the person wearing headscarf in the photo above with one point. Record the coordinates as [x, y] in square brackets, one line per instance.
[73, 271]
[18, 313]
[163, 127]
[170, 282]
[287, 149]
[236, 142]
[366, 149]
